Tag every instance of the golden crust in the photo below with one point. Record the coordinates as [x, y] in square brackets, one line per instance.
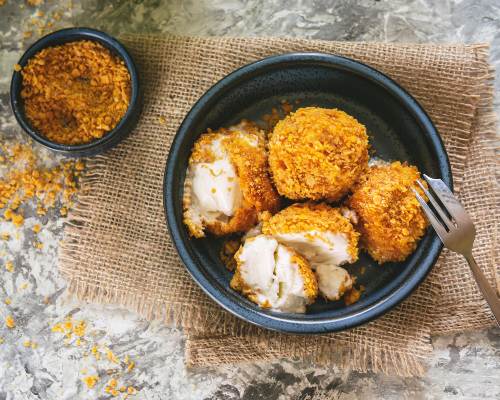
[310, 283]
[391, 220]
[304, 217]
[317, 153]
[251, 166]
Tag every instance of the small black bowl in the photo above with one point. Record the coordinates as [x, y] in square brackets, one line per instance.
[110, 139]
[398, 128]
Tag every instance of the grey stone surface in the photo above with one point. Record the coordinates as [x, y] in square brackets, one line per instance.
[463, 366]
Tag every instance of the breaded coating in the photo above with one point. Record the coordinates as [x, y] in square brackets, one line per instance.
[312, 220]
[391, 220]
[273, 275]
[236, 161]
[317, 153]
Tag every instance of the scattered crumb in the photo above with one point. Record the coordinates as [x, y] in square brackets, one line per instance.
[23, 286]
[1, 339]
[111, 357]
[27, 343]
[38, 245]
[90, 380]
[353, 295]
[9, 266]
[131, 390]
[37, 228]
[8, 301]
[17, 67]
[5, 236]
[162, 120]
[9, 322]
[227, 252]
[27, 34]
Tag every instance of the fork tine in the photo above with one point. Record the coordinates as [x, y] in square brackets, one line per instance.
[436, 224]
[447, 223]
[450, 202]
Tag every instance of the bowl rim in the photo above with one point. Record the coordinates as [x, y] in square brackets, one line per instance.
[68, 35]
[281, 321]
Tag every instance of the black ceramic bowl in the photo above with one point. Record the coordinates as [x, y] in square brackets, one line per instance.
[399, 129]
[110, 139]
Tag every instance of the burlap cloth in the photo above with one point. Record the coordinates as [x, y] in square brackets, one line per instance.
[117, 249]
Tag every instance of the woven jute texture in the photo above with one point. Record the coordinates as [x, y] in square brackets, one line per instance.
[117, 249]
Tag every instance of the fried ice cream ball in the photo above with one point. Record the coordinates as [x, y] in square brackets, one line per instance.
[390, 219]
[227, 181]
[317, 153]
[324, 237]
[274, 276]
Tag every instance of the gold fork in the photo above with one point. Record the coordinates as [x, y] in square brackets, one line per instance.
[456, 230]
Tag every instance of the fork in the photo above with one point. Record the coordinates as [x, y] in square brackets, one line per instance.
[456, 230]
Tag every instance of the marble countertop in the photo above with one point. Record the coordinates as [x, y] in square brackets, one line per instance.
[463, 366]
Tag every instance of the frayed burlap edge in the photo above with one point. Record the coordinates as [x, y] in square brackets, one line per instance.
[203, 352]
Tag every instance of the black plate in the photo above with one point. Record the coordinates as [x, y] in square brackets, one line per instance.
[399, 129]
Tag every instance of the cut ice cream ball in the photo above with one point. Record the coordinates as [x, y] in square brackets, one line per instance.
[227, 181]
[333, 281]
[324, 237]
[273, 275]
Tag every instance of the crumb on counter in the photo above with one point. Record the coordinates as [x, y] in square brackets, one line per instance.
[26, 180]
[9, 266]
[90, 380]
[10, 322]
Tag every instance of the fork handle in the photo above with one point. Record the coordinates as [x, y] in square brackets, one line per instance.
[488, 292]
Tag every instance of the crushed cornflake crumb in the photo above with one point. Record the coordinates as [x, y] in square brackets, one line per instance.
[130, 366]
[162, 120]
[25, 180]
[5, 236]
[8, 301]
[76, 92]
[111, 356]
[37, 228]
[90, 380]
[9, 322]
[27, 343]
[23, 286]
[17, 67]
[34, 3]
[38, 245]
[9, 266]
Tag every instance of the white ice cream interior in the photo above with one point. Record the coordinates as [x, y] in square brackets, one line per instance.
[267, 267]
[333, 281]
[215, 188]
[326, 251]
[319, 247]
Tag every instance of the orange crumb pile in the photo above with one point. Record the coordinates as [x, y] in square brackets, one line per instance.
[22, 179]
[76, 92]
